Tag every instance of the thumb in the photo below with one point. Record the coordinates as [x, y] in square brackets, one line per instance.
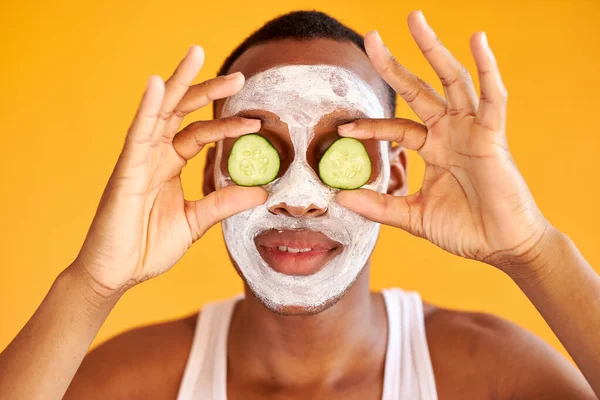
[220, 204]
[403, 212]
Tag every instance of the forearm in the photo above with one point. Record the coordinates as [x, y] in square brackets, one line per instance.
[42, 360]
[566, 291]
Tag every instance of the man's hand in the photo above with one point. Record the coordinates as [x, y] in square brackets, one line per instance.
[144, 225]
[473, 201]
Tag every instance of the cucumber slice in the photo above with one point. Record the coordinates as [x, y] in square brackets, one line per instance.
[253, 161]
[345, 164]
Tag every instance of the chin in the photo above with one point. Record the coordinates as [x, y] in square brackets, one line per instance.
[297, 310]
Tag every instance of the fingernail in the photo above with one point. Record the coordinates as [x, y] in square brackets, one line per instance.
[484, 41]
[342, 197]
[378, 37]
[190, 50]
[346, 127]
[421, 17]
[233, 76]
[153, 81]
[252, 122]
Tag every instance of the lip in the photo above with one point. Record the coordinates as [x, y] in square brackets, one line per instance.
[322, 250]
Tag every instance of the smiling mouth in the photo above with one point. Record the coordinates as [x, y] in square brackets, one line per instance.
[296, 252]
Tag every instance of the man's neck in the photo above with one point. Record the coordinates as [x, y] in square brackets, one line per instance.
[336, 346]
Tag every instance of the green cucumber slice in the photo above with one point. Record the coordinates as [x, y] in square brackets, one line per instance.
[345, 164]
[253, 161]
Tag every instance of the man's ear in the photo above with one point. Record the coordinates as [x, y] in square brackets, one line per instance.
[398, 185]
[208, 185]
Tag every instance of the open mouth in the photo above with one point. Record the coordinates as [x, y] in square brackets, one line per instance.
[296, 252]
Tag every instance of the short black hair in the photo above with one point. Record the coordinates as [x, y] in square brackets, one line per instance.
[302, 25]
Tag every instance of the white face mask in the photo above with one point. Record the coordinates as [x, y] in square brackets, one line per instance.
[301, 95]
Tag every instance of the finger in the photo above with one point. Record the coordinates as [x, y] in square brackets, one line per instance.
[456, 80]
[406, 133]
[139, 135]
[403, 212]
[422, 99]
[177, 85]
[221, 204]
[201, 95]
[192, 139]
[493, 98]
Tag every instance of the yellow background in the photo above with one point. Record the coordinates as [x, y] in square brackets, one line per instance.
[72, 73]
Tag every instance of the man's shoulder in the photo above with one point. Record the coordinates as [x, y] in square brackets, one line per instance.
[146, 362]
[479, 355]
[469, 336]
[472, 329]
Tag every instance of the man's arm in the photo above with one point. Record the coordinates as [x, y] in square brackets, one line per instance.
[41, 361]
[142, 227]
[474, 202]
[566, 291]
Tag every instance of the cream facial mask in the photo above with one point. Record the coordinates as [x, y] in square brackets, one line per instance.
[301, 95]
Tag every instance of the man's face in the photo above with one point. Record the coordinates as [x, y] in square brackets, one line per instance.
[300, 251]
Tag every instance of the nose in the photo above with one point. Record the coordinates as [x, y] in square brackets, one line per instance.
[311, 210]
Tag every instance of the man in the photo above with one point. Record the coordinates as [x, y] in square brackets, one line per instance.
[308, 327]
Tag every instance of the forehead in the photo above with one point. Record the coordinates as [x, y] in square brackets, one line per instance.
[303, 94]
[317, 52]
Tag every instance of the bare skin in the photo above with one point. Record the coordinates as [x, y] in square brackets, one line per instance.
[340, 352]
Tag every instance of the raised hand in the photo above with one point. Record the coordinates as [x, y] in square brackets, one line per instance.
[473, 201]
[144, 225]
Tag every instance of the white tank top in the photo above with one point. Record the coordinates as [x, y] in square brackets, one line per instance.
[408, 372]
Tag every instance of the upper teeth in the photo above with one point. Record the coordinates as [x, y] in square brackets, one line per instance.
[293, 250]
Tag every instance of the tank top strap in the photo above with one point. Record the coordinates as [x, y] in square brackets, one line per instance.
[205, 375]
[408, 370]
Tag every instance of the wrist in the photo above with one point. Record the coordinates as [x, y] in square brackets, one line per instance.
[540, 261]
[96, 299]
